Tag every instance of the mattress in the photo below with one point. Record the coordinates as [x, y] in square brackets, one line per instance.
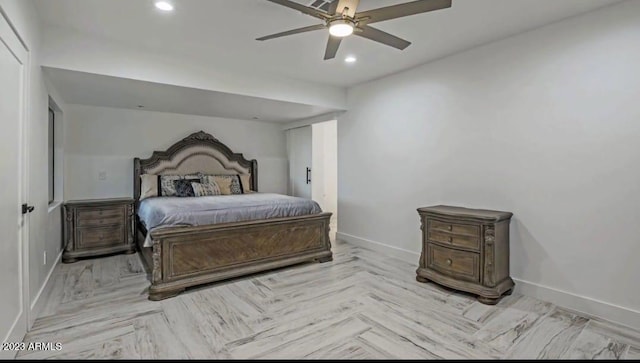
[162, 212]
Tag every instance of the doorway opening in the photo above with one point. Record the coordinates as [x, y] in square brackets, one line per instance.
[313, 166]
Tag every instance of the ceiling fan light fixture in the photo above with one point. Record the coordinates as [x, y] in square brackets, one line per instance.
[164, 5]
[341, 28]
[343, 19]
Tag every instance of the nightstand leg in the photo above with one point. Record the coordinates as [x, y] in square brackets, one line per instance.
[508, 292]
[69, 259]
[131, 251]
[157, 296]
[421, 279]
[488, 300]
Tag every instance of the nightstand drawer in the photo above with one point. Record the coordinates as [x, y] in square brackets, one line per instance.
[471, 242]
[458, 264]
[91, 214]
[98, 222]
[101, 236]
[453, 228]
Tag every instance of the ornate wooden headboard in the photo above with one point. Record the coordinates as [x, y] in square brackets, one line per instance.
[198, 152]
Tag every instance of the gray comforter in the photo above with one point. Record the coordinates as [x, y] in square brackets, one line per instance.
[174, 211]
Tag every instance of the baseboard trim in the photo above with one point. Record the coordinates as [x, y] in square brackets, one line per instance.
[13, 336]
[584, 305]
[40, 300]
[402, 254]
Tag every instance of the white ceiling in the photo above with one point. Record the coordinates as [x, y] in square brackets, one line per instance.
[105, 91]
[223, 32]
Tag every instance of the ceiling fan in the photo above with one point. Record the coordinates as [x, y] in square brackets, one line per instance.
[342, 20]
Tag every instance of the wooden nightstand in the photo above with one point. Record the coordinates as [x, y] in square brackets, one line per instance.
[96, 227]
[466, 249]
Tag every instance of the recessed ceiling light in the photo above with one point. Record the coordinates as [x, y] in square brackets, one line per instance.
[164, 6]
[350, 59]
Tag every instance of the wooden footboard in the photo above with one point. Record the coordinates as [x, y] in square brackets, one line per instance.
[182, 257]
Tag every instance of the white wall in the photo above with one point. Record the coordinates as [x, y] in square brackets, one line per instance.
[544, 124]
[44, 222]
[107, 139]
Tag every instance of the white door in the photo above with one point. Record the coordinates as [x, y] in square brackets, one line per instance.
[13, 322]
[325, 168]
[299, 142]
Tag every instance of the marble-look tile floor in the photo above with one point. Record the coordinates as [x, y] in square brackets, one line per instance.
[362, 305]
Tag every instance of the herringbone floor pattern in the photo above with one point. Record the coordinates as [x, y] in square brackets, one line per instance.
[361, 305]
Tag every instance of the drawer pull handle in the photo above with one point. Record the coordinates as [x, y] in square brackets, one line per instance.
[450, 239]
[449, 227]
[449, 262]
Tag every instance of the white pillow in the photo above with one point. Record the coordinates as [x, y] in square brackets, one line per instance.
[245, 180]
[148, 186]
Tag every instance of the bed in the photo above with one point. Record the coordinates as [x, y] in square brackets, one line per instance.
[178, 255]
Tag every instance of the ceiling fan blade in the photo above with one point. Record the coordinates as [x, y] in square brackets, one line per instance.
[332, 47]
[304, 9]
[294, 31]
[332, 7]
[350, 5]
[382, 37]
[400, 10]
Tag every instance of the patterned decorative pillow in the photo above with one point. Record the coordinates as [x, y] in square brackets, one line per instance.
[203, 190]
[224, 184]
[183, 187]
[236, 185]
[166, 188]
[165, 185]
